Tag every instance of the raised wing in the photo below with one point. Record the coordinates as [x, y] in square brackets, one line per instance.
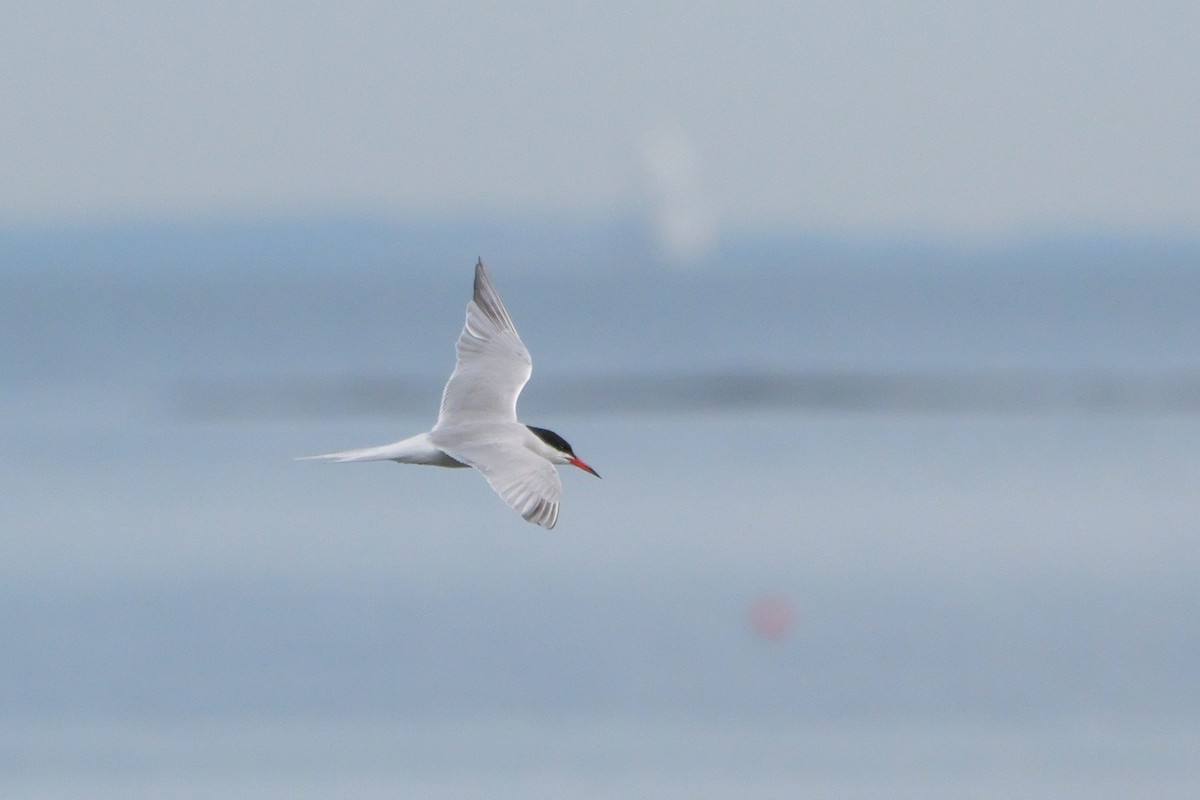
[493, 364]
[523, 479]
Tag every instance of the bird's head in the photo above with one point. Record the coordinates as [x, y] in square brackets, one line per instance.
[560, 449]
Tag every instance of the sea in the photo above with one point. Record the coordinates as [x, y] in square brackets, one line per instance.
[876, 520]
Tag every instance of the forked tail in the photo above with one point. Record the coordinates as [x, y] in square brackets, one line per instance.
[383, 453]
[413, 450]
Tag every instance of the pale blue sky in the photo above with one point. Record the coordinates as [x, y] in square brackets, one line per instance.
[944, 119]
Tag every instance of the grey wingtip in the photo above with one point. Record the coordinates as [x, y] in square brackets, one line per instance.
[488, 299]
[481, 277]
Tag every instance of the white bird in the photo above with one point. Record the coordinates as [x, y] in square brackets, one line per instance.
[477, 425]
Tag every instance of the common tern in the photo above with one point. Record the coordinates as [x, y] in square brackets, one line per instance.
[477, 425]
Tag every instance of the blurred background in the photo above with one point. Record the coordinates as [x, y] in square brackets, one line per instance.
[879, 321]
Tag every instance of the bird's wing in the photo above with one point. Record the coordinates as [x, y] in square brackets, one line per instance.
[523, 479]
[493, 364]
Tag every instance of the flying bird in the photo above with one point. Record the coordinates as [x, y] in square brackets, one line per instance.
[477, 425]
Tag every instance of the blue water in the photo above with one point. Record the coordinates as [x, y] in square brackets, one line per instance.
[518, 756]
[982, 604]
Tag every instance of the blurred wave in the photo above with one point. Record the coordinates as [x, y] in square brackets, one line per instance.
[730, 391]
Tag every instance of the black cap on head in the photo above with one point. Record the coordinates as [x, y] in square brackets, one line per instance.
[553, 439]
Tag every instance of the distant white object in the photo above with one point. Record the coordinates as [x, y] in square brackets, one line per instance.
[477, 425]
[681, 219]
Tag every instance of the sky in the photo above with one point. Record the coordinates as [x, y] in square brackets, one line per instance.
[936, 118]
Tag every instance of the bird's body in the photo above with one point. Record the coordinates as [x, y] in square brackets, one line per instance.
[477, 425]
